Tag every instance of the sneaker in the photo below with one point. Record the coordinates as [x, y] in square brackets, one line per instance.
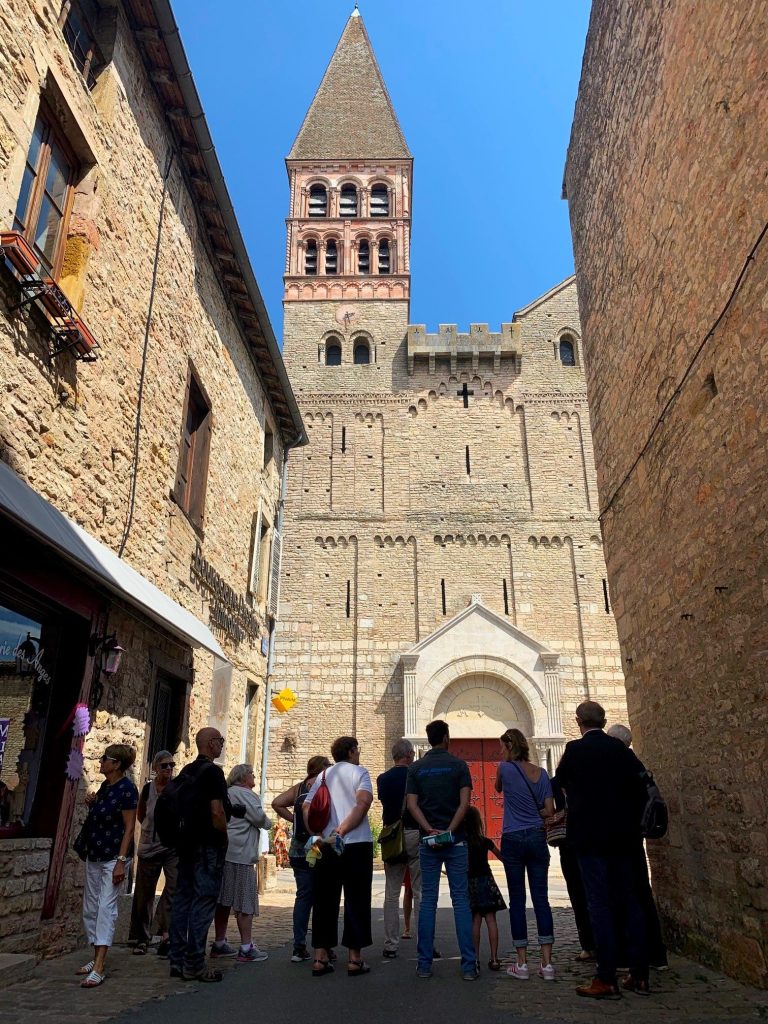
[663, 966]
[598, 989]
[254, 955]
[436, 954]
[389, 954]
[222, 949]
[424, 972]
[547, 972]
[300, 953]
[471, 975]
[163, 949]
[519, 971]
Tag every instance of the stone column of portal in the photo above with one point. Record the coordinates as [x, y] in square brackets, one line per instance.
[554, 711]
[409, 694]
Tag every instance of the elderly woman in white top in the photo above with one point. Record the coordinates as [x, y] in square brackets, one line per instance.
[238, 885]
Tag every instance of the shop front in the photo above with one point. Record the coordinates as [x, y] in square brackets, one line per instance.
[68, 605]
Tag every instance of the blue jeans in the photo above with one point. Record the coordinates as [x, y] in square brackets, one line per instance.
[521, 851]
[431, 860]
[194, 904]
[302, 905]
[610, 880]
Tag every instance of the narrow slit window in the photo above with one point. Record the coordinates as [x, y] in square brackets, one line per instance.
[343, 440]
[379, 201]
[349, 597]
[467, 461]
[318, 201]
[606, 598]
[384, 256]
[567, 351]
[506, 596]
[442, 595]
[348, 201]
[310, 257]
[364, 257]
[331, 258]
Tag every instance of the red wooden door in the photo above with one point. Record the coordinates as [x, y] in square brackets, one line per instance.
[482, 756]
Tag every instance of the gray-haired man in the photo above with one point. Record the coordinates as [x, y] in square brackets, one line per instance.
[390, 789]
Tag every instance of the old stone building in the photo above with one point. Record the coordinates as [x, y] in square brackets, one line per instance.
[145, 419]
[666, 185]
[442, 554]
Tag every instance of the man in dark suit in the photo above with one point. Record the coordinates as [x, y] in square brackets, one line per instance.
[601, 779]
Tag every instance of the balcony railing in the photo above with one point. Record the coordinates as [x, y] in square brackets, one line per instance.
[68, 331]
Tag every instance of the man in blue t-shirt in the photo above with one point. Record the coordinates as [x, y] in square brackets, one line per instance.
[438, 789]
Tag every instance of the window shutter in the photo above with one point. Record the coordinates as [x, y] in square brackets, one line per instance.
[200, 470]
[182, 467]
[253, 584]
[273, 597]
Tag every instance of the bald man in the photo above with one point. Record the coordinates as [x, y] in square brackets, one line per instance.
[201, 860]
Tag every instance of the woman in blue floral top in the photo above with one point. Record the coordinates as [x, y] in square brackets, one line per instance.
[109, 844]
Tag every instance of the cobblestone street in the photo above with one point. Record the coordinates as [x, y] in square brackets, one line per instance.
[278, 991]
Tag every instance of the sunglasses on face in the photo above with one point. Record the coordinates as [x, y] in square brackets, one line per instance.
[168, 766]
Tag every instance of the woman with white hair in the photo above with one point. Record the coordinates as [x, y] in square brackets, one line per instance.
[239, 891]
[153, 858]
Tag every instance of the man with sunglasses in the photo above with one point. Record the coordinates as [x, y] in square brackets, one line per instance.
[201, 859]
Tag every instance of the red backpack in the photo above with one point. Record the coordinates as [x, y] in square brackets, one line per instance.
[319, 813]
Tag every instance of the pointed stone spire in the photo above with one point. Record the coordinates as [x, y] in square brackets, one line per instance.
[351, 116]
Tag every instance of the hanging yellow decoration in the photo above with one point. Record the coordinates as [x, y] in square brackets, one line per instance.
[284, 700]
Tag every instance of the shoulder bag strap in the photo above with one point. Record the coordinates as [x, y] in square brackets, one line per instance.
[539, 806]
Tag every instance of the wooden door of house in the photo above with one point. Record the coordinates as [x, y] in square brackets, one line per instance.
[483, 756]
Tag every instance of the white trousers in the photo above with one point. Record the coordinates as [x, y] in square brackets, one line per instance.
[393, 876]
[100, 902]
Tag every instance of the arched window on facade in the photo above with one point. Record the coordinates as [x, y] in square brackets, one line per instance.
[318, 201]
[379, 201]
[567, 351]
[362, 353]
[310, 257]
[363, 256]
[384, 256]
[331, 257]
[333, 352]
[348, 201]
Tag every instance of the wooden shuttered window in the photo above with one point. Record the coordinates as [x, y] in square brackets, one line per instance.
[273, 597]
[194, 452]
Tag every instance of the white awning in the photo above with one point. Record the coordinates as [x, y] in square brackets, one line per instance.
[34, 514]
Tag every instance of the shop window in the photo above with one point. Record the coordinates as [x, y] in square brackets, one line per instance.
[348, 201]
[318, 201]
[567, 351]
[384, 256]
[45, 199]
[362, 353]
[333, 353]
[78, 20]
[192, 473]
[331, 257]
[310, 257]
[364, 257]
[42, 655]
[379, 201]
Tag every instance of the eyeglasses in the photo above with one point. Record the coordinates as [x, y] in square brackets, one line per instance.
[219, 739]
[167, 767]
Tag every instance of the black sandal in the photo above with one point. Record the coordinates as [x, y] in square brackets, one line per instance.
[324, 968]
[494, 965]
[358, 967]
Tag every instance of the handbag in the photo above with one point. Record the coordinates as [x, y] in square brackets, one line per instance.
[80, 843]
[319, 813]
[392, 840]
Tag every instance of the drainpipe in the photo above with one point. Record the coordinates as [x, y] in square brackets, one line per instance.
[272, 632]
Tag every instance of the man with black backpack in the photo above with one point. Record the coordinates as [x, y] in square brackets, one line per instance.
[192, 812]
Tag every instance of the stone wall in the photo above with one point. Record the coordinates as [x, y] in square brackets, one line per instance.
[23, 873]
[67, 427]
[382, 514]
[667, 193]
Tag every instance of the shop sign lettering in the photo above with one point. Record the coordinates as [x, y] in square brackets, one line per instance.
[229, 611]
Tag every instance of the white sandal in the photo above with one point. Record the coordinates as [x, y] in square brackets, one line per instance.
[86, 968]
[92, 981]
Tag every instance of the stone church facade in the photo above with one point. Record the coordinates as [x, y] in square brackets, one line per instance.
[442, 554]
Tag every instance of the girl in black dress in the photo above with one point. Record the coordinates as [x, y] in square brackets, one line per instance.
[485, 899]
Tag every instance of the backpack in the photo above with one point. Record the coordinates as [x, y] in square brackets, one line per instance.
[178, 814]
[300, 831]
[654, 820]
[319, 813]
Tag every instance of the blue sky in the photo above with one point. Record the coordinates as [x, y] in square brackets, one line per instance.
[484, 93]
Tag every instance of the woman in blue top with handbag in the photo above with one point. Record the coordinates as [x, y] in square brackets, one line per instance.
[527, 802]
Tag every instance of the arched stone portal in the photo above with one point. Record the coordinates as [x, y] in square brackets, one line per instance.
[481, 706]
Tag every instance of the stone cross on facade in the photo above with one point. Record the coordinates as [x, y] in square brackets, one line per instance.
[465, 393]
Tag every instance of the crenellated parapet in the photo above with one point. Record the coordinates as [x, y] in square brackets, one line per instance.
[450, 342]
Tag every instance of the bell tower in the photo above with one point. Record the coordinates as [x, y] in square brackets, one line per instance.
[347, 275]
